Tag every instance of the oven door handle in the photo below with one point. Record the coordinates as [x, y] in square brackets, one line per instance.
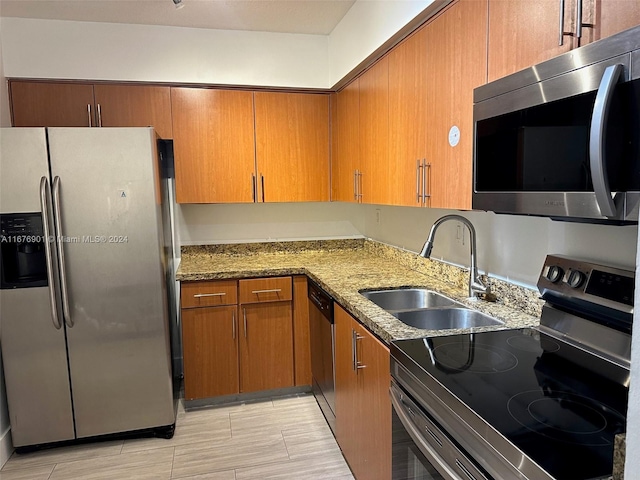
[597, 144]
[427, 450]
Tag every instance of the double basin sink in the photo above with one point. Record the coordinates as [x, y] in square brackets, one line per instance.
[426, 309]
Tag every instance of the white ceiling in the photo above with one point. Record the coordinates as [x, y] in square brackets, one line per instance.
[317, 17]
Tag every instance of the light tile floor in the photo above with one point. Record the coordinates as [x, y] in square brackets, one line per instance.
[280, 438]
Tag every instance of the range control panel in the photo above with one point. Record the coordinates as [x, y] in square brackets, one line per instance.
[590, 282]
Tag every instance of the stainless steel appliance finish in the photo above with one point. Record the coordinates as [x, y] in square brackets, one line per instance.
[476, 287]
[559, 139]
[322, 350]
[576, 365]
[106, 368]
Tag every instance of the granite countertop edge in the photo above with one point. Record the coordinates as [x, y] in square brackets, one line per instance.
[342, 273]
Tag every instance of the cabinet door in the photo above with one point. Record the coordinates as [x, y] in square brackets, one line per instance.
[301, 334]
[134, 106]
[292, 146]
[213, 142]
[608, 18]
[347, 148]
[374, 406]
[407, 118]
[347, 390]
[210, 344]
[524, 33]
[374, 133]
[455, 67]
[40, 104]
[266, 346]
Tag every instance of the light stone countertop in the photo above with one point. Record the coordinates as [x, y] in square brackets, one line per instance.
[343, 267]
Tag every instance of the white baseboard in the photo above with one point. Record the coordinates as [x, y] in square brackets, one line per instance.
[6, 447]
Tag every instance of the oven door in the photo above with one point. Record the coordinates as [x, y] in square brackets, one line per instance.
[421, 450]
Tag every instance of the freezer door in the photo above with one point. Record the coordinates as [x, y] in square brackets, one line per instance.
[109, 207]
[33, 348]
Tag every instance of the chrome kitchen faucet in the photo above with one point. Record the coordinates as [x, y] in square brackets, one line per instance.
[476, 286]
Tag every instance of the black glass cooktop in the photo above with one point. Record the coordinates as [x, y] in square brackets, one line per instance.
[559, 405]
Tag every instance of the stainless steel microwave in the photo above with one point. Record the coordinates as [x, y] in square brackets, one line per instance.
[562, 139]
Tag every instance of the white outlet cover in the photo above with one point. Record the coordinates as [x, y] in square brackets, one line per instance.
[454, 136]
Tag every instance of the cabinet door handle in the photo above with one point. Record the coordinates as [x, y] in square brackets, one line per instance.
[89, 113]
[262, 183]
[99, 115]
[354, 350]
[354, 356]
[426, 181]
[233, 324]
[418, 172]
[253, 187]
[360, 194]
[199, 295]
[271, 290]
[355, 185]
[244, 316]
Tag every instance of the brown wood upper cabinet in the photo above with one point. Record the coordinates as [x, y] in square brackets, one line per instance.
[455, 66]
[345, 159]
[53, 104]
[372, 178]
[224, 153]
[292, 146]
[213, 142]
[522, 34]
[408, 87]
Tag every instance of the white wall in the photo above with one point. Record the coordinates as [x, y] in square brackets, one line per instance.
[366, 26]
[239, 223]
[103, 51]
[5, 433]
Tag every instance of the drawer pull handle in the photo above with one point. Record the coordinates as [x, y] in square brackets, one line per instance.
[200, 295]
[272, 290]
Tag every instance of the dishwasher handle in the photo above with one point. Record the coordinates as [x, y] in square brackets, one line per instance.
[321, 300]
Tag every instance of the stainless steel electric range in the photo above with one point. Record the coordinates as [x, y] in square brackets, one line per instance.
[534, 403]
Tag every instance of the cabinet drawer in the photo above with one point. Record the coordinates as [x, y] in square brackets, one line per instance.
[208, 294]
[258, 290]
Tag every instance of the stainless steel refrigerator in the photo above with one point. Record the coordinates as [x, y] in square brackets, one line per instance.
[85, 329]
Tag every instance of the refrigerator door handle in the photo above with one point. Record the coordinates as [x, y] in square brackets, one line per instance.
[48, 239]
[60, 244]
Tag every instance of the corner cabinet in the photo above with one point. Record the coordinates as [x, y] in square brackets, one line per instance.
[363, 406]
[59, 104]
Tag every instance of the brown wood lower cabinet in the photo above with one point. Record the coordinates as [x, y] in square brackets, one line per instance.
[238, 336]
[363, 407]
[266, 347]
[210, 340]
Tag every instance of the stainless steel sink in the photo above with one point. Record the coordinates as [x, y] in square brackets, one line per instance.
[408, 299]
[446, 318]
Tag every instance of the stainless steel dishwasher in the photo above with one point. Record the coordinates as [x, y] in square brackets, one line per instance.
[322, 350]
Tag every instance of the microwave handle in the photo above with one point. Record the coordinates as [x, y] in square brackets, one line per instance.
[598, 163]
